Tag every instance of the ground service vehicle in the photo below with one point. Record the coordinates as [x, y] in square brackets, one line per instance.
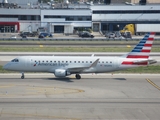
[140, 29]
[128, 28]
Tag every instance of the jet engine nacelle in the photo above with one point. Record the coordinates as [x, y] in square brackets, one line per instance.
[61, 73]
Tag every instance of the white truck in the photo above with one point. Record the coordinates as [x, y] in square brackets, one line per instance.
[141, 29]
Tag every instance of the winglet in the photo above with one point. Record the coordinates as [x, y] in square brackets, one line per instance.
[94, 64]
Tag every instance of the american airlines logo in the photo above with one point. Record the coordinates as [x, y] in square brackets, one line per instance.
[36, 64]
[50, 64]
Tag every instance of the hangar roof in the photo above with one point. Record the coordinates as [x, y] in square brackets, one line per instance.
[125, 7]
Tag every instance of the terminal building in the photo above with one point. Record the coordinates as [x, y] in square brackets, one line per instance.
[115, 17]
[18, 15]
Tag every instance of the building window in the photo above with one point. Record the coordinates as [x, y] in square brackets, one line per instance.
[29, 17]
[70, 18]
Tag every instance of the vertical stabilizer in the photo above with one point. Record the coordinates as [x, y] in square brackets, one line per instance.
[143, 48]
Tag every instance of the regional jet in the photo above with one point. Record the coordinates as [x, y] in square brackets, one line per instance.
[62, 66]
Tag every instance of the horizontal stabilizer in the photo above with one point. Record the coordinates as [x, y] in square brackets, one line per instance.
[139, 62]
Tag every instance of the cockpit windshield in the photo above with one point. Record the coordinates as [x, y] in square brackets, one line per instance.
[15, 60]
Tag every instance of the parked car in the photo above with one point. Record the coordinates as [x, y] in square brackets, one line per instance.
[110, 35]
[127, 35]
[82, 32]
[86, 34]
[118, 34]
[28, 34]
[43, 35]
[13, 37]
[24, 36]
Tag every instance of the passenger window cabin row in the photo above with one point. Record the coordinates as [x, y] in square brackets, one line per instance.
[73, 61]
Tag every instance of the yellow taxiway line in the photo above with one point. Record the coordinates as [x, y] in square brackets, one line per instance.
[152, 83]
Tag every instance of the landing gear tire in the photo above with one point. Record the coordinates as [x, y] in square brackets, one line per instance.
[22, 77]
[78, 76]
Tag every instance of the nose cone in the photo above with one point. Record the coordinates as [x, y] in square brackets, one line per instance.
[5, 67]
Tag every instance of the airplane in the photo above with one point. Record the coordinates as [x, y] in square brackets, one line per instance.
[62, 66]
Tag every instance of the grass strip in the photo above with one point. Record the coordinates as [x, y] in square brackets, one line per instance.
[143, 69]
[70, 49]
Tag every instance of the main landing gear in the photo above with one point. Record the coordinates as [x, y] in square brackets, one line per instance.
[22, 77]
[78, 76]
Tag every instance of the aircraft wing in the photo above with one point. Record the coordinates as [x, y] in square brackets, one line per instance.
[76, 69]
[79, 69]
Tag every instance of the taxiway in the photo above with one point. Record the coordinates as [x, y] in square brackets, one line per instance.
[94, 97]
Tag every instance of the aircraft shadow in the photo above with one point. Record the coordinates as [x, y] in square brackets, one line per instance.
[119, 78]
[66, 79]
[61, 79]
[74, 79]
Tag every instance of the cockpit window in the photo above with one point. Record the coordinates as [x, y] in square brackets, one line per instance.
[15, 60]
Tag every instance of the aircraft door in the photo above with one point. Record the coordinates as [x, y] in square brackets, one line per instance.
[28, 62]
[117, 63]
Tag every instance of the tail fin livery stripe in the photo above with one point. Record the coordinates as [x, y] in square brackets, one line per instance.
[139, 53]
[147, 48]
[150, 39]
[144, 44]
[137, 56]
[143, 48]
[138, 47]
[145, 38]
[141, 44]
[136, 50]
[132, 63]
[148, 45]
[143, 41]
[149, 42]
[139, 50]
